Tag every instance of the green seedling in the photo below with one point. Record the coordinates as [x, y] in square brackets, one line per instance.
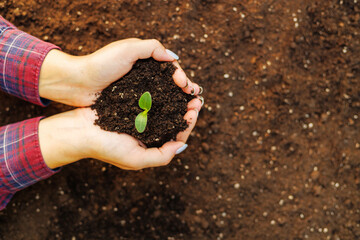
[141, 118]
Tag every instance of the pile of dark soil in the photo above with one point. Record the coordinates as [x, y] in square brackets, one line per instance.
[117, 106]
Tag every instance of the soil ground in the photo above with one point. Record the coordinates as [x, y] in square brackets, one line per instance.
[276, 151]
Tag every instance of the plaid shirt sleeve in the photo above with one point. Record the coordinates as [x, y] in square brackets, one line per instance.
[21, 161]
[21, 57]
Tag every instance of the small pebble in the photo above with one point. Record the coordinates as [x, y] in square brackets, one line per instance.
[315, 175]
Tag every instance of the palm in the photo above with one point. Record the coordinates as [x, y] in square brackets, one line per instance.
[126, 152]
[111, 145]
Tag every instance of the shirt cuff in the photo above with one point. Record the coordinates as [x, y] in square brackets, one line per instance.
[21, 160]
[21, 58]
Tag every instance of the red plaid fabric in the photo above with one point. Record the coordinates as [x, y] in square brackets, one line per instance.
[21, 56]
[21, 161]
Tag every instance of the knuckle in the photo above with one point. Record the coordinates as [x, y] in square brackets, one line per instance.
[133, 39]
[136, 167]
[155, 42]
[166, 162]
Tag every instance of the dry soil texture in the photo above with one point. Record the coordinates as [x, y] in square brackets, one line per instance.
[276, 151]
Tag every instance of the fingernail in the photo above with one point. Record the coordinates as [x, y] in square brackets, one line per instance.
[172, 54]
[187, 83]
[201, 90]
[193, 91]
[202, 100]
[180, 150]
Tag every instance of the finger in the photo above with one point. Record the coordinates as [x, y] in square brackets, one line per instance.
[182, 80]
[194, 104]
[142, 49]
[155, 157]
[180, 77]
[196, 89]
[190, 117]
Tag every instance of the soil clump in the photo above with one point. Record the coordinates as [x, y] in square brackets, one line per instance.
[117, 105]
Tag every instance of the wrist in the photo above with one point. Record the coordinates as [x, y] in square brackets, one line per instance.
[61, 77]
[62, 139]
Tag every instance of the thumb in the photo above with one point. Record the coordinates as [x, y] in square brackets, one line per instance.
[142, 49]
[154, 157]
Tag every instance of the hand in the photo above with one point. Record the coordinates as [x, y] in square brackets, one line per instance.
[75, 80]
[71, 136]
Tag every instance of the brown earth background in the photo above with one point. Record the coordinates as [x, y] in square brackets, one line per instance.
[276, 151]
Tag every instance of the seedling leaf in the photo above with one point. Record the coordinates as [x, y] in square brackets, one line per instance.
[140, 121]
[145, 101]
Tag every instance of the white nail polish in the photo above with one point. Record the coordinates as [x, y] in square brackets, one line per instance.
[201, 98]
[180, 150]
[171, 53]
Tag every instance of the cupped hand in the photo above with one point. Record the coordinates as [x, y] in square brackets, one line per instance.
[76, 80]
[70, 136]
